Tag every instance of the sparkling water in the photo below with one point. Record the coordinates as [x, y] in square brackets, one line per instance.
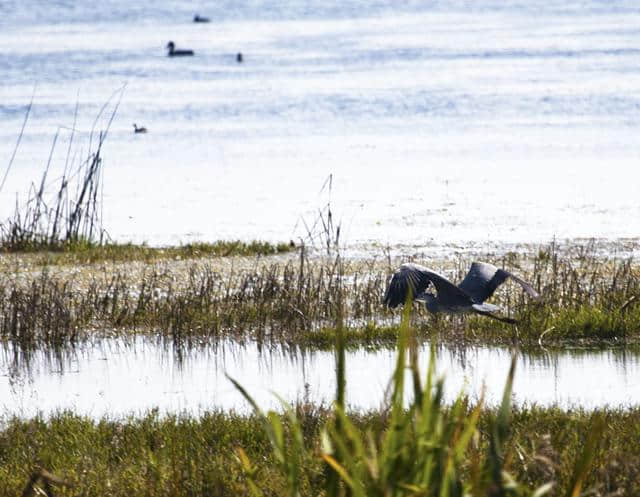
[441, 122]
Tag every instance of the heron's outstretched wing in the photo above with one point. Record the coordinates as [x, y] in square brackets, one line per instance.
[483, 279]
[416, 278]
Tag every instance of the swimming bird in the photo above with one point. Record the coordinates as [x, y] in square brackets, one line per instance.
[239, 57]
[467, 297]
[198, 18]
[141, 129]
[173, 52]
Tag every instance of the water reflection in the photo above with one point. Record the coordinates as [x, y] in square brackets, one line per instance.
[115, 376]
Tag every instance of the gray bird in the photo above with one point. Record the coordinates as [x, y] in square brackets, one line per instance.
[469, 296]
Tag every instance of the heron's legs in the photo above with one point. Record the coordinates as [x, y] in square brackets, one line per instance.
[498, 318]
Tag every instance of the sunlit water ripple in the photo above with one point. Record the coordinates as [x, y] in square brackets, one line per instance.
[447, 122]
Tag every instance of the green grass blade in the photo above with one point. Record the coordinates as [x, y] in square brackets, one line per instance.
[355, 486]
[584, 461]
[499, 432]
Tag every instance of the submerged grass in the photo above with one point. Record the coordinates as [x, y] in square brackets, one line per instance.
[585, 298]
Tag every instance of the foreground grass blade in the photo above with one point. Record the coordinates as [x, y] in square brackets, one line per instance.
[499, 433]
[584, 462]
[289, 453]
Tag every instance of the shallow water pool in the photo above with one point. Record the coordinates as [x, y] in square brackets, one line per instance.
[115, 377]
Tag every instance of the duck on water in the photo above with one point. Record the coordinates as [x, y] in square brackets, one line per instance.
[173, 52]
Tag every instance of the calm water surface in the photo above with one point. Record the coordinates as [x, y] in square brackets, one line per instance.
[115, 378]
[443, 122]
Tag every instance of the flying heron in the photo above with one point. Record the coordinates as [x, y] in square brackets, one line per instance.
[469, 296]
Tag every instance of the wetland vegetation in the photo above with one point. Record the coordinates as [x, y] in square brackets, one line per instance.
[416, 445]
[176, 455]
[295, 300]
[303, 301]
[83, 252]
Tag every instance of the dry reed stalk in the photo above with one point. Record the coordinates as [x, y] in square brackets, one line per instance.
[67, 217]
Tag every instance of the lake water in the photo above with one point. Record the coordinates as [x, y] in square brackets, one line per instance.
[442, 122]
[117, 378]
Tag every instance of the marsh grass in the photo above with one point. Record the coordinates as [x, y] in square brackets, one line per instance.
[180, 455]
[276, 304]
[294, 304]
[42, 482]
[83, 252]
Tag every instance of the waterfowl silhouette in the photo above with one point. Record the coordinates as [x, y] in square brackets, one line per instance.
[141, 129]
[411, 280]
[198, 18]
[173, 52]
[239, 57]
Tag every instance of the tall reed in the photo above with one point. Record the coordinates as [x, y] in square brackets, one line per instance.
[73, 213]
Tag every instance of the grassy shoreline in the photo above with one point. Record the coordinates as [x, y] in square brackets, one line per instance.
[87, 253]
[177, 455]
